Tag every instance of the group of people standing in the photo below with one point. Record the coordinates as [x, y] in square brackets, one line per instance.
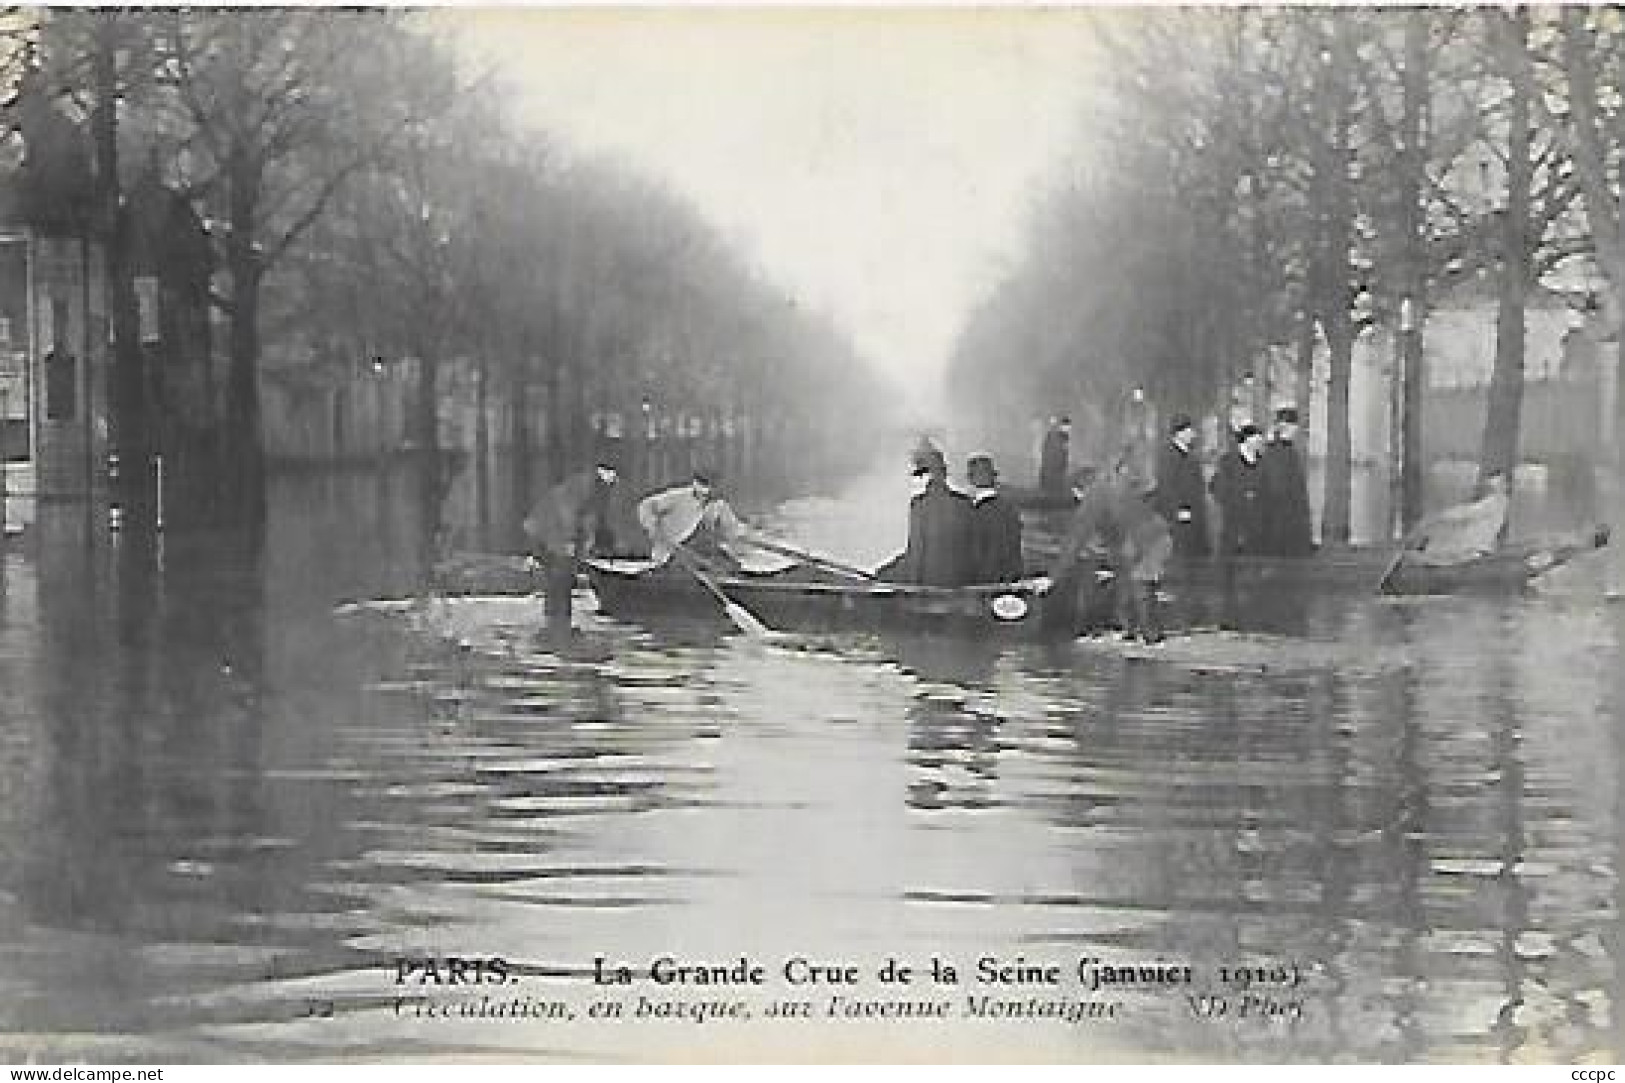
[1259, 486]
[1261, 494]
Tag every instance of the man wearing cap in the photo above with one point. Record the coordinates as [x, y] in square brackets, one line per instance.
[1181, 493]
[1287, 528]
[572, 522]
[995, 527]
[938, 550]
[1238, 488]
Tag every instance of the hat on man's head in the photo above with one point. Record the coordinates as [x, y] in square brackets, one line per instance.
[706, 476]
[928, 460]
[1247, 430]
[1288, 414]
[979, 470]
[1179, 422]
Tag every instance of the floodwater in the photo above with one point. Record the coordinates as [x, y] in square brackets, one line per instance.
[234, 806]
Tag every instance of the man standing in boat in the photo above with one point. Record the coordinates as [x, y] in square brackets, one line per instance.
[937, 554]
[1181, 494]
[1287, 527]
[1115, 510]
[572, 522]
[1054, 456]
[995, 527]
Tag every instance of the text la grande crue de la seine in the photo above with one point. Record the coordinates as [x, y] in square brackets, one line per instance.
[1089, 972]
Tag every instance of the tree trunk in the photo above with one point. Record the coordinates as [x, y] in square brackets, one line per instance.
[482, 455]
[131, 421]
[245, 448]
[425, 427]
[1336, 309]
[522, 499]
[244, 453]
[1413, 305]
[1334, 525]
[1499, 452]
[1304, 374]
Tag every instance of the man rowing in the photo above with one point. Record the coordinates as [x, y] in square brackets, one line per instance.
[696, 520]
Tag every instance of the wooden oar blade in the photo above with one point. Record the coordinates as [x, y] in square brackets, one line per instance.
[746, 621]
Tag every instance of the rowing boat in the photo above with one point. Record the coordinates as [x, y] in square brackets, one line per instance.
[805, 597]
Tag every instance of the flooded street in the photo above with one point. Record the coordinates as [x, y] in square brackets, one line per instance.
[233, 802]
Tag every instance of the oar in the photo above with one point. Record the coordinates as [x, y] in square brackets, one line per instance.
[787, 550]
[742, 618]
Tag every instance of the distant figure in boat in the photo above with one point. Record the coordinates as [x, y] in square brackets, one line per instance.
[995, 526]
[1181, 493]
[570, 523]
[1465, 531]
[1288, 531]
[938, 550]
[1238, 486]
[1054, 456]
[1113, 510]
[696, 520]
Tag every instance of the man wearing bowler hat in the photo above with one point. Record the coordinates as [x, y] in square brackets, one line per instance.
[995, 526]
[1181, 494]
[1285, 490]
[938, 528]
[1238, 486]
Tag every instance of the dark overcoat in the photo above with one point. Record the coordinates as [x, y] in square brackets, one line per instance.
[1181, 499]
[1288, 531]
[995, 541]
[1052, 460]
[574, 518]
[938, 551]
[1238, 486]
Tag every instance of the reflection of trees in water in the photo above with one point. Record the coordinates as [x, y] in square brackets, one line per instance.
[185, 800]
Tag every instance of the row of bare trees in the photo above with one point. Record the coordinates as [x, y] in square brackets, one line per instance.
[1281, 181]
[363, 196]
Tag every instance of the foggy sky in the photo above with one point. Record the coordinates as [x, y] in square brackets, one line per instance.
[876, 164]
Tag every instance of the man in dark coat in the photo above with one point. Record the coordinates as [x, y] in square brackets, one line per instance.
[938, 548]
[1238, 486]
[995, 527]
[1181, 494]
[1053, 457]
[1113, 510]
[571, 522]
[1287, 528]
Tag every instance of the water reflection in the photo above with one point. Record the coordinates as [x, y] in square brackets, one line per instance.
[225, 807]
